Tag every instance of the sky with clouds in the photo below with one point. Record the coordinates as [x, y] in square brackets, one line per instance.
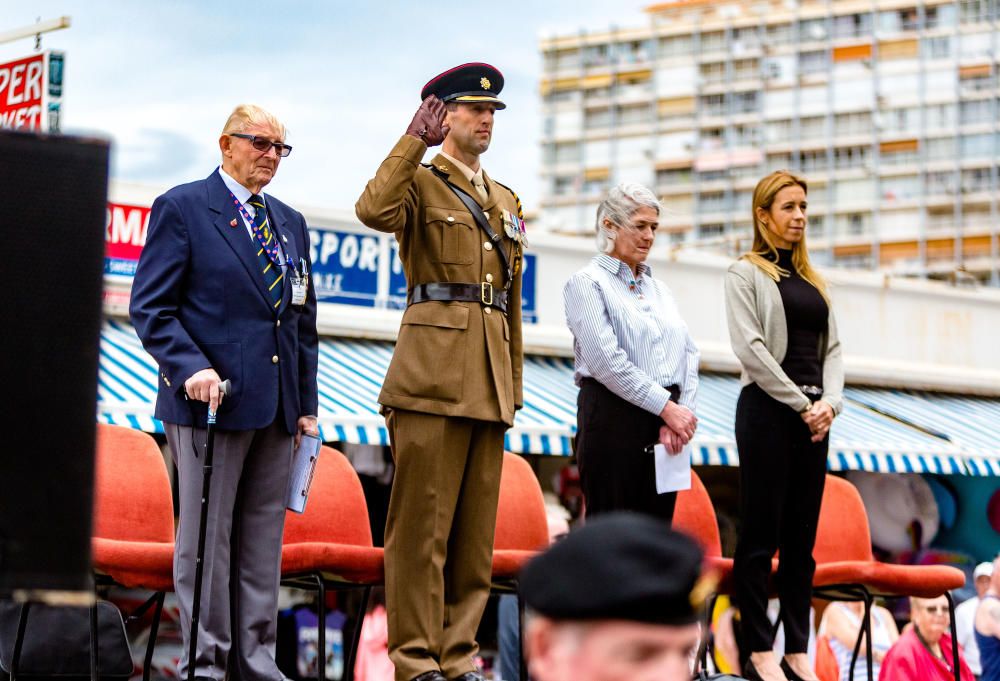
[160, 78]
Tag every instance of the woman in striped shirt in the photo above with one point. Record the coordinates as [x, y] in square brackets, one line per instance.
[636, 364]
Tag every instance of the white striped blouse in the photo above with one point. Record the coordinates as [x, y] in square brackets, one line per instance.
[629, 336]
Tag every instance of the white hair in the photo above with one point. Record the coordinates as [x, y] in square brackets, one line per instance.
[623, 200]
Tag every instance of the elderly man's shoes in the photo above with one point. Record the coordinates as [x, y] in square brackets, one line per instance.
[470, 676]
[433, 675]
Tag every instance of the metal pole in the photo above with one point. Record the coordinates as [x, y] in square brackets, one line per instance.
[35, 29]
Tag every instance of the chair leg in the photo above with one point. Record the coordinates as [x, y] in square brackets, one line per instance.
[350, 654]
[522, 660]
[94, 650]
[954, 637]
[154, 629]
[868, 635]
[22, 622]
[321, 642]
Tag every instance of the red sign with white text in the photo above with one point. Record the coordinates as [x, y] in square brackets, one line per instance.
[22, 83]
[124, 237]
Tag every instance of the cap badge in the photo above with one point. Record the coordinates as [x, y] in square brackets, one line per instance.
[485, 83]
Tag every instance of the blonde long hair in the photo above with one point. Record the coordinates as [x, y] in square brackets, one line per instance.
[763, 253]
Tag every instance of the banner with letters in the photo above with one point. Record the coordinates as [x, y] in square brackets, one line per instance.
[349, 267]
[31, 92]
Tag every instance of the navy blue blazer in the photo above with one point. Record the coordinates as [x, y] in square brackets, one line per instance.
[199, 301]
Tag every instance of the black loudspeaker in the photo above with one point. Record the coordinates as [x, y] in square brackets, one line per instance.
[53, 206]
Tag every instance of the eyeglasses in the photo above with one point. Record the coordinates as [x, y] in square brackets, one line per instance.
[263, 144]
[936, 609]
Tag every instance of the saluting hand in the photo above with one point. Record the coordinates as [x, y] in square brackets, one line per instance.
[428, 123]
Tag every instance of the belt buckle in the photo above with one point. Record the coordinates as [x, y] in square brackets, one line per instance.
[483, 288]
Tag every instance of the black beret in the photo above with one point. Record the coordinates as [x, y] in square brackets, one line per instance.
[622, 566]
[468, 83]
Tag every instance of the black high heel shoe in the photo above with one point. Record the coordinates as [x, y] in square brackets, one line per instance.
[750, 672]
[789, 672]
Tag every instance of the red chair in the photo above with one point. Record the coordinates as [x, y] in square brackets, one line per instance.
[330, 545]
[522, 531]
[133, 532]
[522, 527]
[847, 570]
[694, 515]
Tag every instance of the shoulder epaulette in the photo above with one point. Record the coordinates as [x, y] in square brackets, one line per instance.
[517, 199]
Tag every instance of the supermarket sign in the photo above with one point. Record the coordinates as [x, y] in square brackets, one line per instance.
[31, 92]
[124, 237]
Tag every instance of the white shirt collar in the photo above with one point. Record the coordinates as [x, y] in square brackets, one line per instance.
[464, 169]
[239, 191]
[614, 265]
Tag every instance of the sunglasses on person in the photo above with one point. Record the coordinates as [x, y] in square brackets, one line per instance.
[263, 144]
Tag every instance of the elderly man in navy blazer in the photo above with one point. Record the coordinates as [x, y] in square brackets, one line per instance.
[222, 292]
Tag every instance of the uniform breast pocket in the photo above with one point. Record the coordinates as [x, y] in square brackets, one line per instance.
[455, 232]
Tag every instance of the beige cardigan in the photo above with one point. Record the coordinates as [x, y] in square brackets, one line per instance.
[759, 335]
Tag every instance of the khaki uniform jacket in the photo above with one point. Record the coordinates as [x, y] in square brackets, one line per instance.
[451, 358]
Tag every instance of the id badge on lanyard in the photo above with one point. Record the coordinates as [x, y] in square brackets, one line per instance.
[299, 278]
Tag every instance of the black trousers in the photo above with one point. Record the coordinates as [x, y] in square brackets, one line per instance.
[782, 474]
[616, 473]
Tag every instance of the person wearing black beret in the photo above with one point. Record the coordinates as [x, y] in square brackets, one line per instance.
[454, 382]
[618, 599]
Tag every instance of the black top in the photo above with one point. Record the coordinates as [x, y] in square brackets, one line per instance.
[806, 316]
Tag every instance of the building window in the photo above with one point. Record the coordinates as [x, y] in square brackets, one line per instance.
[673, 176]
[713, 72]
[942, 16]
[976, 11]
[817, 225]
[561, 186]
[852, 25]
[745, 102]
[713, 41]
[713, 105]
[676, 46]
[779, 34]
[937, 47]
[851, 157]
[712, 202]
[711, 231]
[976, 111]
[856, 223]
[812, 30]
[814, 62]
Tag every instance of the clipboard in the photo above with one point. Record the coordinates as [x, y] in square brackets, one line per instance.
[303, 468]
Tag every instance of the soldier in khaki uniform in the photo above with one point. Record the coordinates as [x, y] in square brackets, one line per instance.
[455, 378]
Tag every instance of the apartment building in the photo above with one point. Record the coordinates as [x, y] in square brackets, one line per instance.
[889, 108]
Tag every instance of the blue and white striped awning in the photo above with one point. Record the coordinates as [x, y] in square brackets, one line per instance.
[351, 374]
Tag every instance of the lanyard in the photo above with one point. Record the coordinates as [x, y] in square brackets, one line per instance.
[272, 250]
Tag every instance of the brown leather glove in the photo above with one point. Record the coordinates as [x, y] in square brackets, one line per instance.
[428, 123]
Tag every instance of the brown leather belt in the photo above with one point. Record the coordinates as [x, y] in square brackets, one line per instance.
[483, 293]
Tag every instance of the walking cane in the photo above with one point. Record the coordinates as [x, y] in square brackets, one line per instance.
[199, 566]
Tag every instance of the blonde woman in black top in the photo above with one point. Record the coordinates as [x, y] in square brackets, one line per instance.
[782, 330]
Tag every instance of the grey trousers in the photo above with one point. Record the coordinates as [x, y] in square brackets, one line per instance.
[246, 516]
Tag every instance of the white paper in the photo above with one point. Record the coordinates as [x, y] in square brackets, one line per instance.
[673, 471]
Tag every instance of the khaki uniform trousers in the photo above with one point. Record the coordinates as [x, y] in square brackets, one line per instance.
[439, 538]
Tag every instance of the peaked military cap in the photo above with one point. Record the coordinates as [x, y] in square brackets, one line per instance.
[619, 566]
[468, 83]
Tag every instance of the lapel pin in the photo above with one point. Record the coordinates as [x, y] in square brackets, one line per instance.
[284, 238]
[232, 223]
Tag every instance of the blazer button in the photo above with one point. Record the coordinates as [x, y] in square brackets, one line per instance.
[489, 278]
[489, 310]
[274, 360]
[487, 245]
[451, 219]
[278, 323]
[487, 214]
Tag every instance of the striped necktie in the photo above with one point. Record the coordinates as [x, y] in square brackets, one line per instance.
[267, 255]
